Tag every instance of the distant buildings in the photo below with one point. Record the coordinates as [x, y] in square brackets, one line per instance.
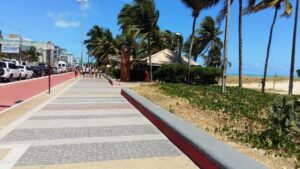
[12, 45]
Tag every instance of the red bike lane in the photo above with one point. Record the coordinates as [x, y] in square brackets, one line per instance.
[11, 94]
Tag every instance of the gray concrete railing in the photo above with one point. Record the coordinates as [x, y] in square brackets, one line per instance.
[202, 148]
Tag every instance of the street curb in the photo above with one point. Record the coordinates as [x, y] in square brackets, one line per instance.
[110, 80]
[203, 149]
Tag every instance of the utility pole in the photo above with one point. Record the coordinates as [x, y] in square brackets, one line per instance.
[50, 47]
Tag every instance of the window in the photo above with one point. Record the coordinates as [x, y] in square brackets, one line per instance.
[12, 66]
[3, 64]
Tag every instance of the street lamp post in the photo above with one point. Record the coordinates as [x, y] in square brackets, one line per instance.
[49, 47]
[81, 2]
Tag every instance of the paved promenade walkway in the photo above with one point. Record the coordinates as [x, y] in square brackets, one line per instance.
[89, 126]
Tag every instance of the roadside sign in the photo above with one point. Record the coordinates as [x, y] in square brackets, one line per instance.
[10, 48]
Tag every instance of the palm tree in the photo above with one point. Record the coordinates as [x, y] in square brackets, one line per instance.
[140, 19]
[207, 41]
[225, 62]
[196, 6]
[221, 17]
[291, 84]
[266, 4]
[166, 40]
[101, 44]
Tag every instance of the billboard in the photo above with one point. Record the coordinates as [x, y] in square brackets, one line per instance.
[10, 48]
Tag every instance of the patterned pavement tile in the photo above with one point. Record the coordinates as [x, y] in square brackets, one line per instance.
[75, 153]
[61, 133]
[85, 116]
[88, 106]
[91, 123]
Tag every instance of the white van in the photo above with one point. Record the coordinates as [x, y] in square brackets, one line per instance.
[63, 66]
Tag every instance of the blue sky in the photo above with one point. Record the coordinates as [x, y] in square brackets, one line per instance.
[59, 21]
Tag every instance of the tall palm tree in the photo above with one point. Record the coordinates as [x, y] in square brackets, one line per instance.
[207, 40]
[291, 84]
[225, 62]
[221, 17]
[166, 40]
[196, 6]
[140, 19]
[101, 44]
[266, 4]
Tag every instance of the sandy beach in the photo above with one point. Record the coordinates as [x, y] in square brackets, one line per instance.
[280, 87]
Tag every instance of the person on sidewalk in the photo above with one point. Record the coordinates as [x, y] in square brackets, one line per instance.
[93, 71]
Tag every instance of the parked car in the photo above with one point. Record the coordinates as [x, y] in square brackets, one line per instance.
[36, 71]
[63, 66]
[9, 71]
[43, 69]
[26, 73]
[56, 70]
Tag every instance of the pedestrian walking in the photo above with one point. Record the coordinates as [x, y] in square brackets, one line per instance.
[96, 73]
[81, 72]
[93, 72]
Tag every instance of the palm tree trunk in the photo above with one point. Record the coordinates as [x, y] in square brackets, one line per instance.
[149, 55]
[240, 44]
[191, 48]
[291, 84]
[268, 52]
[226, 46]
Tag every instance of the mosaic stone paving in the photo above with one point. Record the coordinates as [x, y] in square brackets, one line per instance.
[89, 122]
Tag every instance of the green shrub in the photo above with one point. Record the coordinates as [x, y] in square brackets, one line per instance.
[177, 73]
[283, 131]
[298, 72]
[205, 75]
[285, 115]
[174, 73]
[115, 73]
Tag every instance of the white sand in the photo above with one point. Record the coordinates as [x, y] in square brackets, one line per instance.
[280, 87]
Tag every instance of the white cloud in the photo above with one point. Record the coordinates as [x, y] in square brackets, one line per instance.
[66, 24]
[62, 20]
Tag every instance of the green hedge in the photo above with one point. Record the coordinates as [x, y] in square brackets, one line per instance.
[298, 72]
[206, 75]
[174, 73]
[177, 73]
